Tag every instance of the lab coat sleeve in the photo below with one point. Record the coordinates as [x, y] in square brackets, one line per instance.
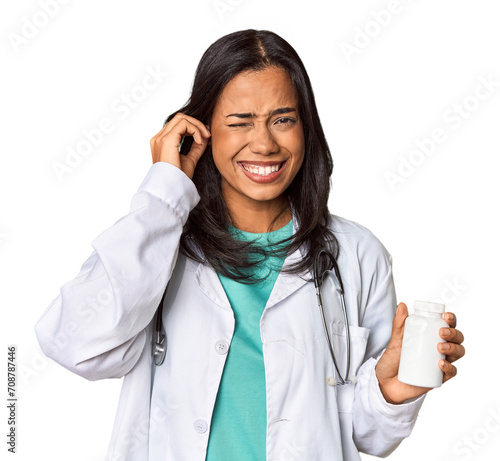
[96, 327]
[378, 427]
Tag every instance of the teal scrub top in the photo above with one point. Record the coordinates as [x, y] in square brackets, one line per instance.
[239, 421]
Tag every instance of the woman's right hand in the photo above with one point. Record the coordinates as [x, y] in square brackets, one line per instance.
[165, 145]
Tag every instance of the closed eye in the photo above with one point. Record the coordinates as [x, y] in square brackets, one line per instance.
[280, 121]
[238, 124]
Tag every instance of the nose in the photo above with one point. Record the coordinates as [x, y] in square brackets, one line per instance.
[263, 141]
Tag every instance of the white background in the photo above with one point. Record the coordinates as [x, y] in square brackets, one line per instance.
[407, 79]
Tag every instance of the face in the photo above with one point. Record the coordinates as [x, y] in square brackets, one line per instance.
[257, 138]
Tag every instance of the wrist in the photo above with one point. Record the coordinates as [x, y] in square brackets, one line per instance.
[385, 388]
[387, 395]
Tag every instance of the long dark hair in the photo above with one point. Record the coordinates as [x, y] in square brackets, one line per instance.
[207, 237]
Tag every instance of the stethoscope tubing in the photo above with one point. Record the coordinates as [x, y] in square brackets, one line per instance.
[160, 346]
[318, 282]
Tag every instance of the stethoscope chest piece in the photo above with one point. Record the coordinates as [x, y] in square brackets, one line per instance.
[160, 342]
[159, 348]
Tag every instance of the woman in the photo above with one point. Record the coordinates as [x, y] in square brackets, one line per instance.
[234, 224]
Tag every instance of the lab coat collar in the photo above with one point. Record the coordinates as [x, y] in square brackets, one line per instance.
[285, 285]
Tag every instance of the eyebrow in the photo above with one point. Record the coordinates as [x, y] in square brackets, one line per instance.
[281, 110]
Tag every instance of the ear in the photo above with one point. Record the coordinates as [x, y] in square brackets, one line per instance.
[210, 140]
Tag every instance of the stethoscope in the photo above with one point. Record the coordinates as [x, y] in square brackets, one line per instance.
[318, 283]
[160, 344]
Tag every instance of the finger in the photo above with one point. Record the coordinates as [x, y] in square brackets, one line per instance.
[398, 323]
[166, 147]
[450, 319]
[167, 127]
[452, 351]
[179, 117]
[197, 150]
[176, 123]
[449, 370]
[190, 160]
[173, 122]
[182, 127]
[452, 335]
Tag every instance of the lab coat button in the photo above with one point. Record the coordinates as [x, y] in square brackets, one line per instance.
[221, 347]
[331, 381]
[200, 426]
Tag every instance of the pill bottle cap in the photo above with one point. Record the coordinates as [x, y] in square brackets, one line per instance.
[429, 307]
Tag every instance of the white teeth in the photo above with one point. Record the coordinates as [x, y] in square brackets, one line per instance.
[261, 170]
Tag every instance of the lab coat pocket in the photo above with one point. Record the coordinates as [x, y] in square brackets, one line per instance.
[359, 339]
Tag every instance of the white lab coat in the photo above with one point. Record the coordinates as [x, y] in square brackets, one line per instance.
[104, 318]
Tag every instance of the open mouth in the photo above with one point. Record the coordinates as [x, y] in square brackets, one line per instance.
[262, 169]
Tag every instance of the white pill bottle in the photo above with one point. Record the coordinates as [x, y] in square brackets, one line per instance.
[419, 363]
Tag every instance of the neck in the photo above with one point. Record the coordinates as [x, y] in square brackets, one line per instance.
[257, 217]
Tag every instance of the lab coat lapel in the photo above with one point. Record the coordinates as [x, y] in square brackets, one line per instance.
[210, 284]
[286, 284]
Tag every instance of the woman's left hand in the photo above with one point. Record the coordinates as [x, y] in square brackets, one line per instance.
[393, 390]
